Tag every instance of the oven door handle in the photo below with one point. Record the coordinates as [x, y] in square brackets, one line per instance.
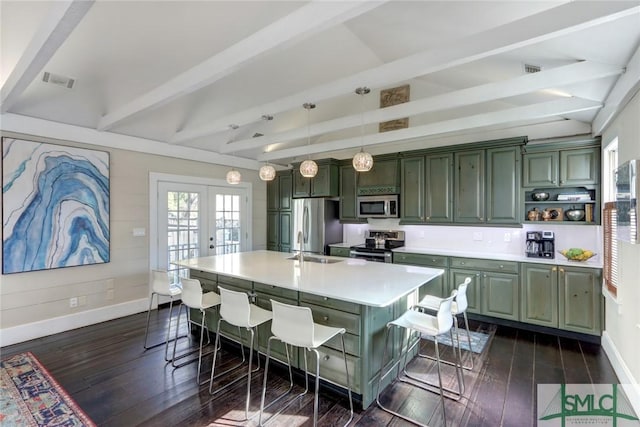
[367, 254]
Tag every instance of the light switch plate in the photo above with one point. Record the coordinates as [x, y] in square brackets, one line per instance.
[139, 232]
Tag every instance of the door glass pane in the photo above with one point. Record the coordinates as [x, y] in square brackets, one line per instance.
[182, 231]
[227, 223]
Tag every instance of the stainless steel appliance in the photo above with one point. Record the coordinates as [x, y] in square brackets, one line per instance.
[317, 223]
[378, 246]
[540, 244]
[627, 194]
[378, 206]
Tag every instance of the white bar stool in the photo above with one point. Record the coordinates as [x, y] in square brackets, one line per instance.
[459, 306]
[194, 298]
[160, 286]
[293, 325]
[423, 324]
[236, 310]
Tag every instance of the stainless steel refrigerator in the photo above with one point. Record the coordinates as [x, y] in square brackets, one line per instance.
[316, 222]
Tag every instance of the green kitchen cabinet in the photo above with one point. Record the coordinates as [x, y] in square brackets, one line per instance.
[580, 300]
[539, 289]
[279, 212]
[324, 184]
[494, 289]
[383, 178]
[348, 199]
[568, 298]
[469, 188]
[426, 189]
[562, 167]
[412, 184]
[339, 251]
[503, 186]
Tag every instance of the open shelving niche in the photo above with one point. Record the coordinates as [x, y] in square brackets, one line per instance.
[564, 205]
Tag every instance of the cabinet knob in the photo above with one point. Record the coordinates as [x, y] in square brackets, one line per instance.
[461, 262]
[325, 318]
[325, 298]
[554, 269]
[325, 358]
[477, 274]
[501, 266]
[433, 260]
[428, 217]
[561, 270]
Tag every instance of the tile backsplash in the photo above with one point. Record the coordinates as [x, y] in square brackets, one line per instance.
[494, 239]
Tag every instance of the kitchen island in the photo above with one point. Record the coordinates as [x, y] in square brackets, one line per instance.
[357, 295]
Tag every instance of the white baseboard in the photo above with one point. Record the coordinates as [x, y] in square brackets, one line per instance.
[43, 328]
[628, 382]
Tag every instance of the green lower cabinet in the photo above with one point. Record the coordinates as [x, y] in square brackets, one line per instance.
[500, 295]
[457, 276]
[438, 286]
[278, 351]
[568, 298]
[539, 289]
[580, 300]
[339, 251]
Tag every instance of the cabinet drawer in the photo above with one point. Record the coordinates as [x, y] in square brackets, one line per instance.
[332, 367]
[343, 252]
[485, 265]
[339, 319]
[275, 291]
[437, 261]
[233, 281]
[330, 302]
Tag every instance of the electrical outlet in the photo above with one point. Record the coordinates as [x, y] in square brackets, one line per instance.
[507, 237]
[477, 236]
[110, 294]
[82, 300]
[73, 302]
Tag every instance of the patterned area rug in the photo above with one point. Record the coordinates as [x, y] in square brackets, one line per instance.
[29, 396]
[479, 340]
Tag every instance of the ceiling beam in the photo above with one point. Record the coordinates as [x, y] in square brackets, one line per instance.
[625, 88]
[303, 22]
[517, 114]
[556, 22]
[59, 21]
[555, 77]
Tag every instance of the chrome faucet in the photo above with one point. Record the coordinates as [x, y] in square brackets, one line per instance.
[300, 253]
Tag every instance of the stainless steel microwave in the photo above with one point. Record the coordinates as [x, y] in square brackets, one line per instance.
[378, 206]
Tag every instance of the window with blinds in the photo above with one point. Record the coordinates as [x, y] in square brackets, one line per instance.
[610, 225]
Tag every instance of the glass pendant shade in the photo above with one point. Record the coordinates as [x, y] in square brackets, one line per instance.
[362, 161]
[233, 177]
[308, 168]
[267, 173]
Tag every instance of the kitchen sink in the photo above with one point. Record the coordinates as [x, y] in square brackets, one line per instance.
[317, 260]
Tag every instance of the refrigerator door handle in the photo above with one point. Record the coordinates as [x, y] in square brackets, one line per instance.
[305, 224]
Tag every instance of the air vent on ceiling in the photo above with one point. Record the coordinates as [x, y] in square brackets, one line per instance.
[58, 80]
[528, 68]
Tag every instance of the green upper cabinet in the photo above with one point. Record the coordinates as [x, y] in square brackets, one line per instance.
[469, 187]
[383, 178]
[561, 168]
[273, 195]
[279, 212]
[503, 186]
[285, 188]
[426, 189]
[324, 184]
[348, 177]
[412, 183]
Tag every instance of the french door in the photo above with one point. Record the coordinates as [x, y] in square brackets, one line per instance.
[195, 220]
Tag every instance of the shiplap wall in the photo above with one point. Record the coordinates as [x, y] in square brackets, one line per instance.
[42, 295]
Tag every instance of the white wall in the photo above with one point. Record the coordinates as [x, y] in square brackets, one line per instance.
[622, 329]
[37, 303]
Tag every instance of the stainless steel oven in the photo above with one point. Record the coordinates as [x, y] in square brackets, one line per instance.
[378, 246]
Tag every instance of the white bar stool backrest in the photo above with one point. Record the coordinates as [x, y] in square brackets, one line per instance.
[292, 324]
[160, 282]
[461, 299]
[234, 307]
[445, 317]
[191, 293]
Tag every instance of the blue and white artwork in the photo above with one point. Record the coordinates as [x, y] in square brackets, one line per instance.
[55, 206]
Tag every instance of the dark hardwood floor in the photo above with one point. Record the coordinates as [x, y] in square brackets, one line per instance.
[106, 370]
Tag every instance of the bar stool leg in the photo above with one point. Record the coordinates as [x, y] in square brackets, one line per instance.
[346, 371]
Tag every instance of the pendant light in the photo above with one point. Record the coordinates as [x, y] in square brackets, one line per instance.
[308, 168]
[267, 172]
[233, 176]
[362, 161]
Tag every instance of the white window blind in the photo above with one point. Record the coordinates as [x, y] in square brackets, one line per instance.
[609, 220]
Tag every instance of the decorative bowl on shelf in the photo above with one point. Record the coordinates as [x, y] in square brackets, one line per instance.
[577, 254]
[539, 196]
[574, 214]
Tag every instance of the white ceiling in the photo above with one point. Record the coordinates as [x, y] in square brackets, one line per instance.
[171, 76]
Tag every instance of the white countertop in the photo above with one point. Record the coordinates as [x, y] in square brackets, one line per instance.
[341, 245]
[362, 282]
[594, 262]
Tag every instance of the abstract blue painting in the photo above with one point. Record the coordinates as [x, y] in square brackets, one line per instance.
[55, 206]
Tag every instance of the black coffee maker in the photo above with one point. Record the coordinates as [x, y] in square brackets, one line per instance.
[540, 244]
